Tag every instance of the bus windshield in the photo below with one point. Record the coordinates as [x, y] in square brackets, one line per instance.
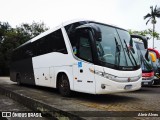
[117, 48]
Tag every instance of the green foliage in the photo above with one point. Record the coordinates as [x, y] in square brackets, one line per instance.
[148, 33]
[29, 31]
[155, 13]
[10, 38]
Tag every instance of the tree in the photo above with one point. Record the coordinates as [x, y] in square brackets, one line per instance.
[153, 33]
[152, 16]
[10, 38]
[29, 31]
[147, 33]
[143, 32]
[4, 29]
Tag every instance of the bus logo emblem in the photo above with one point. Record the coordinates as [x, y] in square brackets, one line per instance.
[129, 79]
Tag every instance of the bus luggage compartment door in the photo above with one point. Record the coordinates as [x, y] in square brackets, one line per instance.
[42, 76]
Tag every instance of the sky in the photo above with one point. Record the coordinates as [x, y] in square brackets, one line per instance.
[127, 14]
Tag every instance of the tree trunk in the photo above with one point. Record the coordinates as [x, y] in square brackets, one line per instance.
[153, 34]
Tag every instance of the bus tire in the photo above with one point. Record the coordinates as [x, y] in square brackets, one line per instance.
[64, 86]
[18, 79]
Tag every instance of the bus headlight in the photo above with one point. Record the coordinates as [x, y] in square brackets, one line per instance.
[109, 76]
[106, 75]
[116, 78]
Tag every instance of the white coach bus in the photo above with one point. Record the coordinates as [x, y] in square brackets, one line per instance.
[83, 56]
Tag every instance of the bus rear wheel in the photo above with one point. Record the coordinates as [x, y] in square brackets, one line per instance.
[63, 86]
[18, 79]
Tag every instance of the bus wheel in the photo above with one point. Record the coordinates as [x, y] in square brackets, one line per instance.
[63, 86]
[18, 79]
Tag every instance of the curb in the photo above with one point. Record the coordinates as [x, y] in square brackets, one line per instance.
[35, 105]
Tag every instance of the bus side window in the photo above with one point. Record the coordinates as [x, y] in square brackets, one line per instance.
[59, 41]
[70, 29]
[52, 42]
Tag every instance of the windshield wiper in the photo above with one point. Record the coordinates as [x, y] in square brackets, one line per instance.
[128, 51]
[118, 49]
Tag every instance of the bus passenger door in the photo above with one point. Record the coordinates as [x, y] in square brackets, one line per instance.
[83, 77]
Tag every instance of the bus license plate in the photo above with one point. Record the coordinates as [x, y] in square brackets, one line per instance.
[127, 87]
[145, 83]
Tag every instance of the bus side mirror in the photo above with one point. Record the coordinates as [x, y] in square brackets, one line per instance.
[146, 56]
[144, 40]
[97, 33]
[153, 57]
[145, 44]
[93, 28]
[98, 36]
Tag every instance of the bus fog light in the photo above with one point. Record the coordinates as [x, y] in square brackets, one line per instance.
[103, 86]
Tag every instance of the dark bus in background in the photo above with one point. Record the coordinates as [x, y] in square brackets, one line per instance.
[146, 62]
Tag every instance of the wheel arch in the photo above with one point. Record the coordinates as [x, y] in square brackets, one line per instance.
[69, 78]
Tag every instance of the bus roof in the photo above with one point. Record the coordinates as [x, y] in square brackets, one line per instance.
[60, 26]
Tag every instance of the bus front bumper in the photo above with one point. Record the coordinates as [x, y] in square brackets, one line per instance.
[109, 86]
[149, 81]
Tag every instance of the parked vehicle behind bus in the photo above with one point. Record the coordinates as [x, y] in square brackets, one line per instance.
[146, 62]
[83, 56]
[156, 64]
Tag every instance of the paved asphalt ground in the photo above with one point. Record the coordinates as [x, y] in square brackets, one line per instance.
[141, 102]
[7, 105]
